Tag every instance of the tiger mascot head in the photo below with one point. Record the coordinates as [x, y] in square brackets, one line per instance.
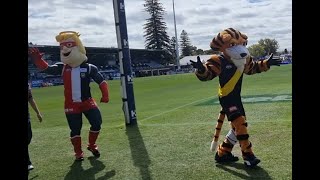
[232, 43]
[72, 52]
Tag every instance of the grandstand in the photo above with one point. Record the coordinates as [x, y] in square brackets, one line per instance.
[144, 62]
[186, 60]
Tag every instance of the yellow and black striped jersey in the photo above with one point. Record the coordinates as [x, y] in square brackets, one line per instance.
[230, 79]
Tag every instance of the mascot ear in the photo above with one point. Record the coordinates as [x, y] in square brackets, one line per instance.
[243, 36]
[226, 37]
[214, 46]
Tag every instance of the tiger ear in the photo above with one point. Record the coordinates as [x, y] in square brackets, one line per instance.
[243, 36]
[226, 37]
[214, 47]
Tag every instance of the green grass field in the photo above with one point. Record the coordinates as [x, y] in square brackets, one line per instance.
[176, 119]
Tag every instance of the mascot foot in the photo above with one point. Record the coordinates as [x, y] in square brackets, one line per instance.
[79, 157]
[94, 151]
[251, 160]
[228, 157]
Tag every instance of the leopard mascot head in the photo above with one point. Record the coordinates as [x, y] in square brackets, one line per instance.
[232, 43]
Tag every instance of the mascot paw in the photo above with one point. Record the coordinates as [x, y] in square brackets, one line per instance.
[213, 146]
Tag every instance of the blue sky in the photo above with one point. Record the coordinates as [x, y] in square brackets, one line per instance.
[201, 19]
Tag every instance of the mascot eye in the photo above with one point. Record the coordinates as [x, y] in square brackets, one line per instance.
[69, 45]
[232, 44]
[245, 43]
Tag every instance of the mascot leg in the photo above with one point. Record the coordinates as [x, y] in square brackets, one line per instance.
[75, 125]
[76, 142]
[92, 146]
[223, 153]
[243, 137]
[95, 120]
[231, 136]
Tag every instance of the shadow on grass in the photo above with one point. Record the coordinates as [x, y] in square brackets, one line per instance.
[77, 172]
[139, 152]
[34, 177]
[251, 173]
[264, 98]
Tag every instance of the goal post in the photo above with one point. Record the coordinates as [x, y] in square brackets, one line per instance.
[126, 77]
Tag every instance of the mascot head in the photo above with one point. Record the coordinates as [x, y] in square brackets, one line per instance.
[72, 52]
[232, 43]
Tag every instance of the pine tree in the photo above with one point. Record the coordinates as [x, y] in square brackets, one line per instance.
[155, 28]
[185, 44]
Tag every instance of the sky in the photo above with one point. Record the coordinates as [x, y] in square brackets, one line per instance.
[201, 19]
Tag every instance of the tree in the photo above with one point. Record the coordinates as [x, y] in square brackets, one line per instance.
[185, 44]
[210, 51]
[172, 49]
[193, 50]
[269, 45]
[256, 50]
[155, 28]
[199, 52]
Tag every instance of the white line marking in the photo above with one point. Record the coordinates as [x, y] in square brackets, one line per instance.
[175, 108]
[213, 123]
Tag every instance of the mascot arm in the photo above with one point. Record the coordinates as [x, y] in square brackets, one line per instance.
[55, 69]
[42, 65]
[212, 69]
[36, 57]
[253, 67]
[103, 85]
[105, 91]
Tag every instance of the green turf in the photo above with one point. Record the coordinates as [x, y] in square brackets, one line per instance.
[176, 118]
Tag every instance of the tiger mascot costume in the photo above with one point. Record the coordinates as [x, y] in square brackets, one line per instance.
[229, 67]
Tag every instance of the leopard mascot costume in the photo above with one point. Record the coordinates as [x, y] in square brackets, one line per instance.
[229, 67]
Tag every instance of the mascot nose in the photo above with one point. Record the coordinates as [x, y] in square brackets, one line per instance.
[243, 54]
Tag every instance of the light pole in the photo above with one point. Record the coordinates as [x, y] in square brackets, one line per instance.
[175, 31]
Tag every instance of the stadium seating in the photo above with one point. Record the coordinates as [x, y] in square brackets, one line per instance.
[143, 62]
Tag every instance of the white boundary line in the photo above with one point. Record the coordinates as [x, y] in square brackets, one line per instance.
[163, 125]
[165, 112]
[181, 124]
[213, 123]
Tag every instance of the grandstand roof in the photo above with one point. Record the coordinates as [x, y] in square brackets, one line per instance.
[161, 56]
[95, 50]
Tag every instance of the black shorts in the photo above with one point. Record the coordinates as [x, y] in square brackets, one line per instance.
[232, 106]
